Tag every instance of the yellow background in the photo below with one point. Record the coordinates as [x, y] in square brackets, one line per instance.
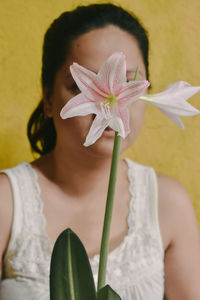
[174, 34]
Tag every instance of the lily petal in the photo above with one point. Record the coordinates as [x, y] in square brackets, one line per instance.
[117, 125]
[85, 80]
[172, 101]
[182, 109]
[78, 106]
[180, 90]
[98, 126]
[174, 118]
[132, 91]
[113, 73]
[124, 115]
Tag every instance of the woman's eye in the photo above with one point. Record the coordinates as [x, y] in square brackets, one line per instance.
[74, 88]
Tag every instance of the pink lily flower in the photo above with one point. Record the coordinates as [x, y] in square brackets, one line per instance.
[172, 101]
[106, 94]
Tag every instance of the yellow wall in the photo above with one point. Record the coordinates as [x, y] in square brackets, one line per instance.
[174, 33]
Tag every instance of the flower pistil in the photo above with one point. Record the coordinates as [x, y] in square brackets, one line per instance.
[106, 105]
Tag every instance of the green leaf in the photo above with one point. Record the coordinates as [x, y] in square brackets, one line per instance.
[107, 293]
[164, 298]
[70, 271]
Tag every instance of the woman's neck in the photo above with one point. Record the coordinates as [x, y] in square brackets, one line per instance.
[77, 174]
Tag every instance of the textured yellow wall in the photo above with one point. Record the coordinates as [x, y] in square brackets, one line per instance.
[173, 27]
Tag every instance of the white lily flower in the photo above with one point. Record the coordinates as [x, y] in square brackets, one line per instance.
[172, 101]
[106, 94]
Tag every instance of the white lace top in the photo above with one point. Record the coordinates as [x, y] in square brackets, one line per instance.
[135, 267]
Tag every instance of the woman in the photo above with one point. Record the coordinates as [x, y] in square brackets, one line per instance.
[67, 185]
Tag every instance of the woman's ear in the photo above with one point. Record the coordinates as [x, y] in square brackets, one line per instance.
[47, 102]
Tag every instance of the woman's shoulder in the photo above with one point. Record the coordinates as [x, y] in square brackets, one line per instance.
[179, 230]
[11, 182]
[7, 182]
[6, 213]
[5, 198]
[171, 192]
[5, 189]
[172, 195]
[176, 212]
[15, 169]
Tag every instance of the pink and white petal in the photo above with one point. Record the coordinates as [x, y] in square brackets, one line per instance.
[78, 106]
[96, 130]
[177, 85]
[85, 80]
[179, 107]
[112, 74]
[180, 90]
[125, 116]
[117, 125]
[132, 91]
[174, 118]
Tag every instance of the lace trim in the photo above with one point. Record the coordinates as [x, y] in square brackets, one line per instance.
[39, 203]
[132, 191]
[37, 196]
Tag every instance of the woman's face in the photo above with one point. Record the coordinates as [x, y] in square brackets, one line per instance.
[91, 50]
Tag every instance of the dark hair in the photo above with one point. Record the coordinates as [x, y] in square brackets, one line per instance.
[57, 42]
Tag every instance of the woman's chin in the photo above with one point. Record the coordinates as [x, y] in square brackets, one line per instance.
[103, 147]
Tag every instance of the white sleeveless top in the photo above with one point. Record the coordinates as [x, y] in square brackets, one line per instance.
[135, 267]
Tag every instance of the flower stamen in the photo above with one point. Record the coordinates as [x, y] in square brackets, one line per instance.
[105, 109]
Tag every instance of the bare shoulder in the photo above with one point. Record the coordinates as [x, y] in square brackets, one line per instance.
[175, 209]
[6, 213]
[181, 240]
[6, 204]
[171, 190]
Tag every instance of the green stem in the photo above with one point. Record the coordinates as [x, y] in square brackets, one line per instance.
[136, 74]
[108, 213]
[109, 208]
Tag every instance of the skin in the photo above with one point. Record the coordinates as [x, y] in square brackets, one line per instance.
[80, 196]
